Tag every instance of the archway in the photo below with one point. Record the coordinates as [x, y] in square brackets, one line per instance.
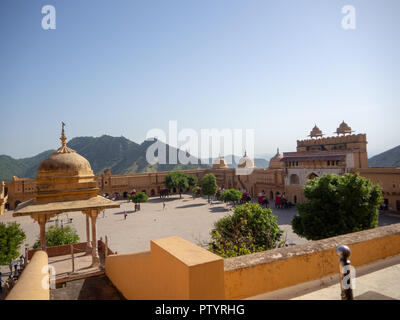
[125, 194]
[312, 176]
[294, 179]
[153, 193]
[16, 203]
[271, 194]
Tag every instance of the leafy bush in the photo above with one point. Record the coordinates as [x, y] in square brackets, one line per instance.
[192, 180]
[11, 238]
[57, 236]
[250, 229]
[337, 205]
[231, 195]
[139, 197]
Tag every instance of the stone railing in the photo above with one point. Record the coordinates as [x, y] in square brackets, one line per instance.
[33, 284]
[60, 250]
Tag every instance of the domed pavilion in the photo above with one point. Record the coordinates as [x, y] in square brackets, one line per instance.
[65, 183]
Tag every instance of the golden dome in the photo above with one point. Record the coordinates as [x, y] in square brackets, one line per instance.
[246, 162]
[65, 175]
[275, 161]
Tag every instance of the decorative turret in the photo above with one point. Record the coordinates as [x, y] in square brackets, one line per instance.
[343, 129]
[275, 162]
[315, 132]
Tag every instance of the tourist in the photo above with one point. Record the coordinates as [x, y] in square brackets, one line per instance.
[125, 214]
[104, 213]
[164, 206]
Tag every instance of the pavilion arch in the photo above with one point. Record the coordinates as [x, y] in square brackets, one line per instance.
[294, 179]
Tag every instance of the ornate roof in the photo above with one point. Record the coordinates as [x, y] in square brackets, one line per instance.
[315, 132]
[343, 129]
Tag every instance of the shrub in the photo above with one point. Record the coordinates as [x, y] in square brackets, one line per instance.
[231, 195]
[58, 236]
[337, 205]
[139, 197]
[250, 229]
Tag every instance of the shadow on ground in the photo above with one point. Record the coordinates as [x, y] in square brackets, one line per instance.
[94, 288]
[218, 209]
[191, 205]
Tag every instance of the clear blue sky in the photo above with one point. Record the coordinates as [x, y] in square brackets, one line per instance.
[124, 67]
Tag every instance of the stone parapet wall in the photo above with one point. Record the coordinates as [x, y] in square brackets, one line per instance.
[30, 285]
[254, 274]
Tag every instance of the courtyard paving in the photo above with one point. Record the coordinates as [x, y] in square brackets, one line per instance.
[191, 219]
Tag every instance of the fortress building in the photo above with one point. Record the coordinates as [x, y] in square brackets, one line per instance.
[346, 152]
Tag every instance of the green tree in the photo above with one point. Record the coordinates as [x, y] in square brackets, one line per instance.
[58, 236]
[11, 238]
[231, 195]
[178, 180]
[139, 197]
[192, 180]
[250, 229]
[337, 205]
[209, 185]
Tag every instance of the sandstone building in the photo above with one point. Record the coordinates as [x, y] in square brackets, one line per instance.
[287, 173]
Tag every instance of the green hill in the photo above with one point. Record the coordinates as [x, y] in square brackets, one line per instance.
[119, 154]
[390, 158]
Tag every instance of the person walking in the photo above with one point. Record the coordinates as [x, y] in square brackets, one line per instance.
[125, 215]
[163, 206]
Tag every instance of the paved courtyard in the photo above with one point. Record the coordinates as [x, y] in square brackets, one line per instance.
[191, 219]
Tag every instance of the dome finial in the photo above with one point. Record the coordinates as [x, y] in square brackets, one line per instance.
[63, 137]
[63, 148]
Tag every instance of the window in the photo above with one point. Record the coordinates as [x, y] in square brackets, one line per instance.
[329, 163]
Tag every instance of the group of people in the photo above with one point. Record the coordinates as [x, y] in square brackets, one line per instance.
[16, 267]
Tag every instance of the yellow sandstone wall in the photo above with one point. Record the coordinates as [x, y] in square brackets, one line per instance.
[258, 273]
[30, 284]
[173, 269]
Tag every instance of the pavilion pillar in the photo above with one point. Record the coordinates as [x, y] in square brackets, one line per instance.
[41, 220]
[88, 247]
[95, 258]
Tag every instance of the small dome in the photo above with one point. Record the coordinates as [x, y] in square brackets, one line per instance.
[343, 129]
[275, 161]
[65, 175]
[315, 132]
[246, 162]
[220, 163]
[65, 164]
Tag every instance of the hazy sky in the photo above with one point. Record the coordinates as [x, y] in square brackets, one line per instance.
[125, 67]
